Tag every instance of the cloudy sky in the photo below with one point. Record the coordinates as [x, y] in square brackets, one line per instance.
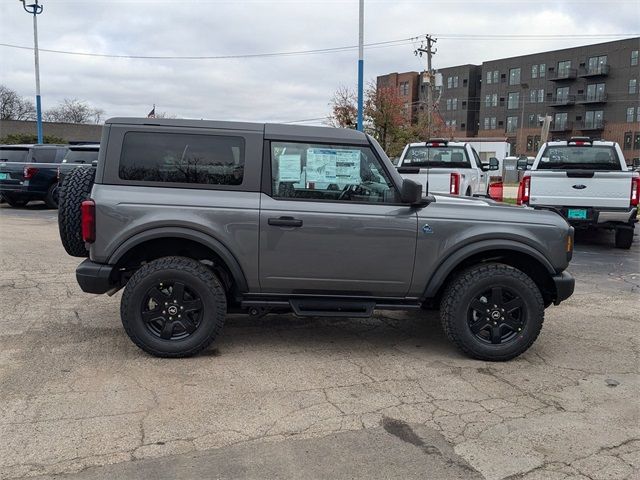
[272, 88]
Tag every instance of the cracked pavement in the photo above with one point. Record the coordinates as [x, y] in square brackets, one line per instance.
[283, 397]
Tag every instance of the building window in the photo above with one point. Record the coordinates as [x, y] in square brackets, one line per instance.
[496, 74]
[595, 92]
[542, 70]
[533, 96]
[564, 68]
[513, 100]
[532, 120]
[489, 77]
[514, 76]
[628, 140]
[487, 100]
[634, 57]
[594, 119]
[529, 143]
[450, 82]
[454, 104]
[536, 143]
[404, 88]
[596, 64]
[455, 81]
[494, 100]
[560, 121]
[512, 124]
[541, 95]
[534, 71]
[636, 141]
[486, 123]
[448, 104]
[633, 86]
[493, 123]
[562, 94]
[630, 114]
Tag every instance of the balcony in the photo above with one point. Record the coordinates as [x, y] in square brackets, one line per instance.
[591, 125]
[595, 71]
[561, 127]
[564, 74]
[592, 98]
[563, 101]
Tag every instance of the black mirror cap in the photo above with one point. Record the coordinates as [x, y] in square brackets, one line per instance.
[494, 164]
[636, 163]
[411, 192]
[522, 164]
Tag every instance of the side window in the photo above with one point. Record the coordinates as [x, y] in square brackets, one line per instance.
[60, 153]
[329, 173]
[182, 158]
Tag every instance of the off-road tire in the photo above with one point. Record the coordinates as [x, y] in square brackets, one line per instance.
[75, 188]
[15, 202]
[624, 238]
[51, 199]
[461, 291]
[197, 277]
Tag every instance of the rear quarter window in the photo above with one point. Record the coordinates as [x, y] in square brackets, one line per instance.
[182, 158]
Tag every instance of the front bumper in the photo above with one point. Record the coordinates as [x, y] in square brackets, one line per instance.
[565, 284]
[95, 277]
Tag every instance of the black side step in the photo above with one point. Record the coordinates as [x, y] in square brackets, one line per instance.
[331, 308]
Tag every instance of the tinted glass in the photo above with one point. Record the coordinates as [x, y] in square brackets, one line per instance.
[13, 155]
[569, 157]
[329, 172]
[182, 158]
[443, 157]
[45, 155]
[81, 156]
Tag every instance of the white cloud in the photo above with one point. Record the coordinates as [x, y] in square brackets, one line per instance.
[268, 89]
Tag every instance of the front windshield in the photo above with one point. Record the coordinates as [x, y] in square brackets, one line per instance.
[13, 154]
[80, 156]
[565, 157]
[443, 157]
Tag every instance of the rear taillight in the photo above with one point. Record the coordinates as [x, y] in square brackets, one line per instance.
[524, 190]
[635, 191]
[29, 172]
[454, 184]
[88, 211]
[496, 191]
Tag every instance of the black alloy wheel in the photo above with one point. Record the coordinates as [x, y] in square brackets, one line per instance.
[171, 311]
[496, 316]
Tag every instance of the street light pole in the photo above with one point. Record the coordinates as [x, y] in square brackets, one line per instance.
[35, 9]
[360, 65]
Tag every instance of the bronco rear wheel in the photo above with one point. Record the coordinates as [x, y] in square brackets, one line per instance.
[492, 312]
[173, 307]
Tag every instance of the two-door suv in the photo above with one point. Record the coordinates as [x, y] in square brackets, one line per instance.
[199, 218]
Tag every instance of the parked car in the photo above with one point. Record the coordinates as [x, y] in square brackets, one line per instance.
[587, 182]
[441, 166]
[30, 172]
[195, 219]
[85, 155]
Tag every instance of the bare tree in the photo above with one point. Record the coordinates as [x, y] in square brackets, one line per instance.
[14, 107]
[74, 111]
[344, 110]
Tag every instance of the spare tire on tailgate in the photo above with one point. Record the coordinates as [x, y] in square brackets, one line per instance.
[75, 188]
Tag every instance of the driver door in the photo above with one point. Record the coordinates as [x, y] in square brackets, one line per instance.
[331, 223]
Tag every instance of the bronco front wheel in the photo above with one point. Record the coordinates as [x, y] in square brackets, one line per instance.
[492, 311]
[173, 307]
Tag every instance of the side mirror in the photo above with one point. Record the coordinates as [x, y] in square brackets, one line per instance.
[522, 164]
[94, 163]
[410, 192]
[494, 164]
[636, 163]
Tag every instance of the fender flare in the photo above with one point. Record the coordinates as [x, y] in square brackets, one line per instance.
[189, 234]
[454, 259]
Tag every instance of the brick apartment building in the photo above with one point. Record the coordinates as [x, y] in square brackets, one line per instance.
[407, 86]
[592, 90]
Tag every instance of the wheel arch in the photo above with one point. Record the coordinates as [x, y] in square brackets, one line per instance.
[513, 253]
[171, 241]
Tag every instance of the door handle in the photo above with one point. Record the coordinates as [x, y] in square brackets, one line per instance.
[285, 222]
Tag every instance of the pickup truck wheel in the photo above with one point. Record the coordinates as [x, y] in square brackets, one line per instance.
[492, 312]
[51, 200]
[173, 307]
[624, 238]
[75, 188]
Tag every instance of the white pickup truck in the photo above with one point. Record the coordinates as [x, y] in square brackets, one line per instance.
[441, 166]
[587, 182]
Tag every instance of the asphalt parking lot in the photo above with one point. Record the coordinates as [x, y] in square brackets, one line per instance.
[282, 397]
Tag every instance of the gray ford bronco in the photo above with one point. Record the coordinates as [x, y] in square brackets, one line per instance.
[197, 219]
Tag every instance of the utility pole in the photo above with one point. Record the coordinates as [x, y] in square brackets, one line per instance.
[35, 10]
[429, 75]
[360, 66]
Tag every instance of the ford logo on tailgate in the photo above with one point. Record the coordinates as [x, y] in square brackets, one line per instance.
[579, 186]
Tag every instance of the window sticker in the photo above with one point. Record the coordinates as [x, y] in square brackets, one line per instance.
[289, 168]
[333, 166]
